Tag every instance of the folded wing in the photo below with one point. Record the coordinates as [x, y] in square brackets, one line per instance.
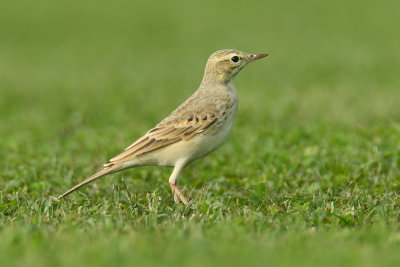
[166, 133]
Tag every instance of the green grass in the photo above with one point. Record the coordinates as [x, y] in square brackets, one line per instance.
[310, 175]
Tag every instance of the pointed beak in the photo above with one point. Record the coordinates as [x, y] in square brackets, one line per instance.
[257, 56]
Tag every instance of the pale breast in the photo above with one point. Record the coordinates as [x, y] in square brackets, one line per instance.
[205, 143]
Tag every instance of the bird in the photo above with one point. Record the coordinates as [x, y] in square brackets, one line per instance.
[193, 130]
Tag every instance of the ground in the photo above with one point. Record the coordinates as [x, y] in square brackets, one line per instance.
[310, 175]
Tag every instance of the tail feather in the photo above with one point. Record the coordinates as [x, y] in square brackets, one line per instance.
[105, 171]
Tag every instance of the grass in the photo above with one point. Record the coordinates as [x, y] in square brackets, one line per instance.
[310, 175]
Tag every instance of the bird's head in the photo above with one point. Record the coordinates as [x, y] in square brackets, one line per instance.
[223, 65]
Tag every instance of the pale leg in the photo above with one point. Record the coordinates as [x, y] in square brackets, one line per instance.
[173, 179]
[178, 193]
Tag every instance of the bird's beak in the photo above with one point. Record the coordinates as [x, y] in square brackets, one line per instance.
[257, 56]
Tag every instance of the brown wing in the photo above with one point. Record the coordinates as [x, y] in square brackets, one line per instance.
[165, 134]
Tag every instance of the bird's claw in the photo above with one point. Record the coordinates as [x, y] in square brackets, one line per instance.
[178, 193]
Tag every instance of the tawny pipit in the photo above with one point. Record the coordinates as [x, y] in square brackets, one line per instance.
[196, 128]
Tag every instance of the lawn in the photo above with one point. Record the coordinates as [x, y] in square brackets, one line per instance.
[310, 175]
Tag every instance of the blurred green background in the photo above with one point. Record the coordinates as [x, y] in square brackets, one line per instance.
[310, 174]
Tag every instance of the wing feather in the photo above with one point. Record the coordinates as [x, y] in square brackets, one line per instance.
[165, 134]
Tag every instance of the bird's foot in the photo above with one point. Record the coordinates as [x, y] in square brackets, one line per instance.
[178, 193]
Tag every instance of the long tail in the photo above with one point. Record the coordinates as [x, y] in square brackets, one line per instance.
[109, 170]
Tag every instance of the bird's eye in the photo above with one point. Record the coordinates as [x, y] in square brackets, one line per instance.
[235, 59]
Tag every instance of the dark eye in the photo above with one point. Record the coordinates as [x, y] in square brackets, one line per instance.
[235, 59]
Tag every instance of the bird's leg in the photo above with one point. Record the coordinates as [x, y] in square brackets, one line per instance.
[178, 193]
[176, 198]
[173, 180]
[175, 194]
